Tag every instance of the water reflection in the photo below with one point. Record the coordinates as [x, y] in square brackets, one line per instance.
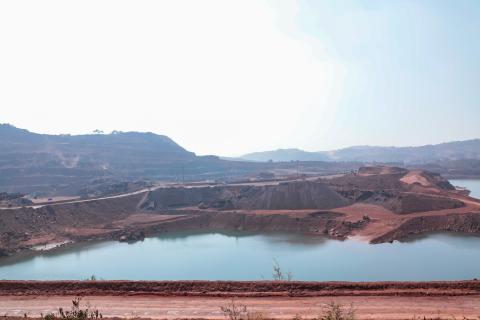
[240, 256]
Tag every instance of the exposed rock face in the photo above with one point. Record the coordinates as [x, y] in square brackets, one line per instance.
[131, 236]
[438, 181]
[462, 223]
[404, 203]
[49, 219]
[322, 223]
[396, 189]
[374, 182]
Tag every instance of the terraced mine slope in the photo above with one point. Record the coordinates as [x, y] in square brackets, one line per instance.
[377, 204]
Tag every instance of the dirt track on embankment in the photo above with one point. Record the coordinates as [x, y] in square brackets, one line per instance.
[280, 300]
[238, 288]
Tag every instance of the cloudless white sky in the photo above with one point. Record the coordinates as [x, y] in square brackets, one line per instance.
[231, 77]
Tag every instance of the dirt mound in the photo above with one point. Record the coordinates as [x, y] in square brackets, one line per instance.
[379, 182]
[291, 195]
[454, 222]
[409, 203]
[178, 197]
[427, 179]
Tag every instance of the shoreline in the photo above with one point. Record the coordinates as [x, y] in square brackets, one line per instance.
[237, 288]
[73, 245]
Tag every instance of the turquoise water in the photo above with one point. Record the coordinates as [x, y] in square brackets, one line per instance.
[215, 256]
[471, 184]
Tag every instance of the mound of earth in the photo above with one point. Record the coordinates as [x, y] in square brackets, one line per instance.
[403, 203]
[377, 182]
[397, 189]
[178, 197]
[291, 195]
[427, 179]
[453, 222]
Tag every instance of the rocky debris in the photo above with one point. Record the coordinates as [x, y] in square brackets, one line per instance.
[4, 252]
[357, 224]
[401, 202]
[386, 187]
[437, 180]
[461, 223]
[131, 236]
[13, 200]
[404, 203]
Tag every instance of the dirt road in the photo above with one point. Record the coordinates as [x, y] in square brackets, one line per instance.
[282, 300]
[375, 307]
[72, 200]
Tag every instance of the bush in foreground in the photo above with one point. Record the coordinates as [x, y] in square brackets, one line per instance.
[76, 312]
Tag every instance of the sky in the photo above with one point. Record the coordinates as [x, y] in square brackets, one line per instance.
[231, 77]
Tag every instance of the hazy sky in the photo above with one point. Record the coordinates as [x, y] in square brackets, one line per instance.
[230, 77]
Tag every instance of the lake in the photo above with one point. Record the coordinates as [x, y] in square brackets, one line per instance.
[471, 184]
[215, 256]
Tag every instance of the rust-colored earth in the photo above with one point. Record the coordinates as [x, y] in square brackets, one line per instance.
[281, 300]
[376, 204]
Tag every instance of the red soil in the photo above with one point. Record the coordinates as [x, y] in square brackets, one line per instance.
[281, 300]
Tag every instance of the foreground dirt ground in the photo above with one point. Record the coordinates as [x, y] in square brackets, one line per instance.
[367, 307]
[275, 300]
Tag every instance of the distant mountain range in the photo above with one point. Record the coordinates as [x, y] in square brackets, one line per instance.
[31, 161]
[469, 149]
[67, 164]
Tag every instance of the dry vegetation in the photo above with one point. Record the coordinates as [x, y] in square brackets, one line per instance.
[76, 312]
[332, 311]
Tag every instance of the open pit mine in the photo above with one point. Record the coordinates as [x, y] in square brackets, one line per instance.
[374, 204]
